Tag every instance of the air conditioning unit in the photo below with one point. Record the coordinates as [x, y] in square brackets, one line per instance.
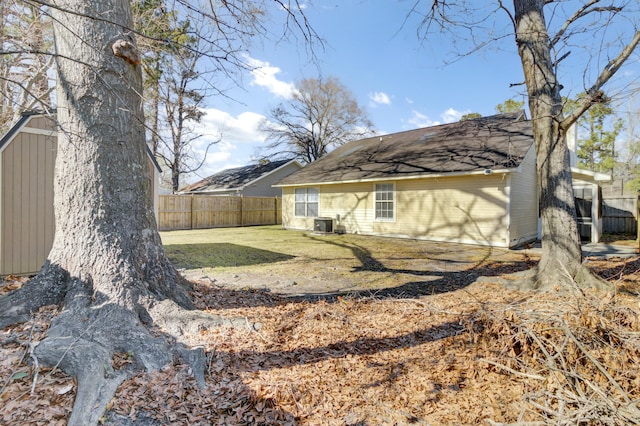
[323, 224]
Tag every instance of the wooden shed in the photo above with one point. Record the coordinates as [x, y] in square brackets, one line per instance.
[27, 160]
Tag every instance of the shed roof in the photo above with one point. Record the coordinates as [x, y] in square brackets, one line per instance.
[236, 178]
[17, 126]
[498, 142]
[51, 114]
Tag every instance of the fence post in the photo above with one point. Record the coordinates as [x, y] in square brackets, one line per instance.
[638, 220]
[241, 210]
[191, 213]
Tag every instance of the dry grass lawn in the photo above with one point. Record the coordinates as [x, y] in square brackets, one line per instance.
[309, 264]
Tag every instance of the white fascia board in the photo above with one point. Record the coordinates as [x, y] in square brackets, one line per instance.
[590, 175]
[400, 177]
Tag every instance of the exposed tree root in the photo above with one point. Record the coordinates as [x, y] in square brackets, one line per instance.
[556, 280]
[92, 327]
[42, 290]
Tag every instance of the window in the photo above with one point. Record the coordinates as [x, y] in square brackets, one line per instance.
[306, 200]
[385, 201]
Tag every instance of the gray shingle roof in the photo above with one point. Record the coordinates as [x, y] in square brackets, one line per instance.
[236, 178]
[495, 142]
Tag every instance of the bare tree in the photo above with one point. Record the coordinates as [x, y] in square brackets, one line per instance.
[320, 115]
[544, 44]
[26, 45]
[628, 166]
[181, 90]
[107, 268]
[152, 19]
[175, 85]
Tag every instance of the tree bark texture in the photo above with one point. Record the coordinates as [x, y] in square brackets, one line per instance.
[104, 217]
[561, 259]
[107, 267]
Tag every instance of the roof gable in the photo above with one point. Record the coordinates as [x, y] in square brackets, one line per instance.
[15, 128]
[236, 178]
[25, 119]
[495, 142]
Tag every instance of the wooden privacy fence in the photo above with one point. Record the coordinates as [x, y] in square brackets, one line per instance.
[619, 215]
[216, 211]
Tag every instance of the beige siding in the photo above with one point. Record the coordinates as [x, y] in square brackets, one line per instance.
[27, 224]
[523, 205]
[289, 219]
[42, 123]
[456, 209]
[350, 206]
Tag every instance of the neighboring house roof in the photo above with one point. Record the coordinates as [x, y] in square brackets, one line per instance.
[498, 143]
[237, 178]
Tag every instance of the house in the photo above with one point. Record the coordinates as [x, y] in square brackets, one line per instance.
[27, 159]
[468, 182]
[255, 180]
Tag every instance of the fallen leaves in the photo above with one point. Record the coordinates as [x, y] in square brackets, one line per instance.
[12, 282]
[477, 354]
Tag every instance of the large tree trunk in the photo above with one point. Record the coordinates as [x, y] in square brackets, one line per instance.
[561, 260]
[107, 266]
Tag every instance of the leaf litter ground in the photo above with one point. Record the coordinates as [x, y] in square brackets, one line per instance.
[473, 354]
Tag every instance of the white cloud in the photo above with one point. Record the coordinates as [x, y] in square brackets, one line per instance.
[240, 129]
[265, 75]
[239, 137]
[451, 115]
[380, 98]
[420, 120]
[300, 6]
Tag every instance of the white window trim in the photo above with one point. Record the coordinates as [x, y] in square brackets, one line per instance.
[306, 202]
[395, 202]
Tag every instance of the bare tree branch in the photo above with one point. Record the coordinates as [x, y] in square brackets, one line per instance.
[594, 93]
[321, 115]
[582, 11]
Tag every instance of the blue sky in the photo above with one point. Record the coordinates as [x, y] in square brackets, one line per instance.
[400, 80]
